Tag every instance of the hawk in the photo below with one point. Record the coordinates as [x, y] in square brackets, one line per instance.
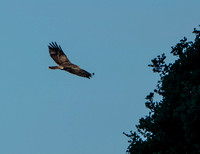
[63, 62]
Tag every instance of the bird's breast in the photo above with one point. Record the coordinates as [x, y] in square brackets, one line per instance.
[61, 67]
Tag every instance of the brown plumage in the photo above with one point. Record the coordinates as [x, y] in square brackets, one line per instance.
[63, 62]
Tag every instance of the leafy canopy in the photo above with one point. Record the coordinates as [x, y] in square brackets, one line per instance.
[172, 125]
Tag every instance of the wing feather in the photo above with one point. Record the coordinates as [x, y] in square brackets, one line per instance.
[80, 72]
[57, 54]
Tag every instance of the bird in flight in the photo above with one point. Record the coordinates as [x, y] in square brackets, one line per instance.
[63, 62]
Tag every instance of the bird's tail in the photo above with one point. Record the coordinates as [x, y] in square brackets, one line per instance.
[53, 67]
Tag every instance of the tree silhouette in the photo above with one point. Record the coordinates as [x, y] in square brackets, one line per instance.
[172, 125]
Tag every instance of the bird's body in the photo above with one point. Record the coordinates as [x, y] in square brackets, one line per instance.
[63, 62]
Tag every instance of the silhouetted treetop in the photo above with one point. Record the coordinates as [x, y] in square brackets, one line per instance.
[172, 125]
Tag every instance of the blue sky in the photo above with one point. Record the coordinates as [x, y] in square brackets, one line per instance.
[50, 112]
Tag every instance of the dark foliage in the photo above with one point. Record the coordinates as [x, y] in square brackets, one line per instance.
[172, 125]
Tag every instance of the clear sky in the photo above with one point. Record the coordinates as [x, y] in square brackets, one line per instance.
[46, 111]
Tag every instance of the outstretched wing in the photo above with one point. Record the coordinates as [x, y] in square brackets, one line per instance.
[80, 72]
[57, 54]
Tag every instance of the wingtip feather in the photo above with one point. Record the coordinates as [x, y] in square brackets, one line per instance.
[53, 45]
